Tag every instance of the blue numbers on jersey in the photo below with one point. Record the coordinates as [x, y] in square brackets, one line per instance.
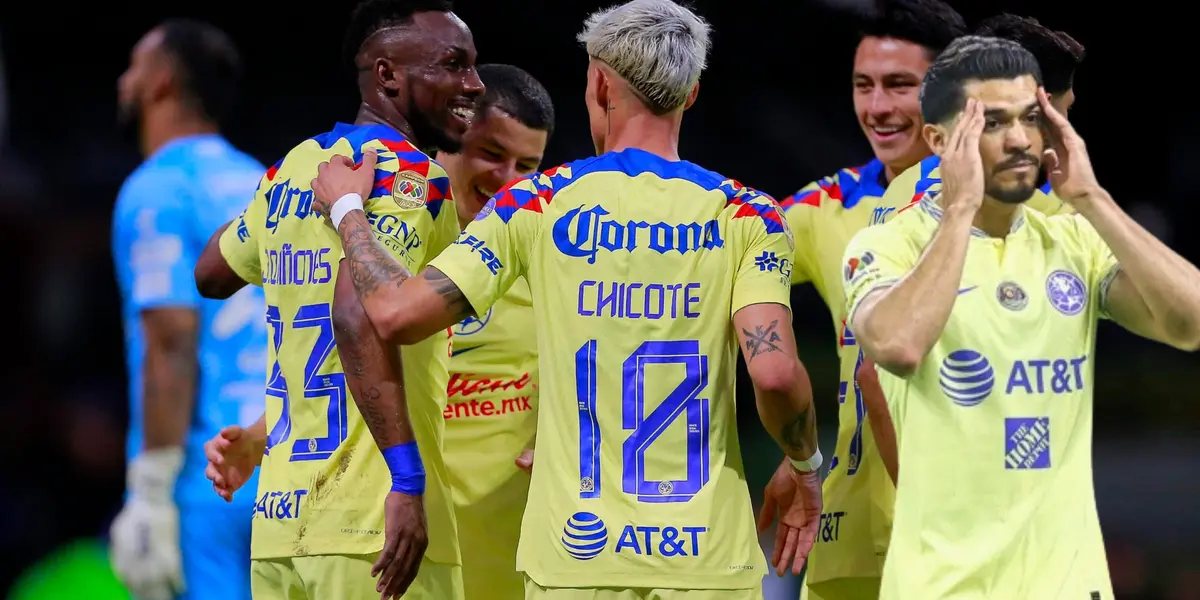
[331, 386]
[845, 388]
[645, 428]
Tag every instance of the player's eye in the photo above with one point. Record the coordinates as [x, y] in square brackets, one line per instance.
[991, 124]
[1033, 117]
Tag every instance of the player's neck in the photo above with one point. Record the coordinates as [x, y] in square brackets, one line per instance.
[368, 115]
[161, 127]
[995, 218]
[643, 130]
[893, 170]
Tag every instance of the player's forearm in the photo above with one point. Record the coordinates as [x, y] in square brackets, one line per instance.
[376, 274]
[902, 324]
[786, 409]
[1167, 283]
[373, 374]
[169, 389]
[883, 431]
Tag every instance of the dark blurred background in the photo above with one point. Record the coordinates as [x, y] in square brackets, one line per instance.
[774, 112]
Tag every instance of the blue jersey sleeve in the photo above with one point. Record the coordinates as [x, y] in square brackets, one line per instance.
[154, 233]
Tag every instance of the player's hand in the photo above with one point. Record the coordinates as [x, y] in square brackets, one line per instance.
[232, 457]
[338, 176]
[525, 461]
[1067, 164]
[144, 545]
[962, 164]
[405, 538]
[796, 497]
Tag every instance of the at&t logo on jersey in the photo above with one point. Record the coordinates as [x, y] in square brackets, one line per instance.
[966, 377]
[584, 233]
[585, 536]
[1066, 292]
[1027, 443]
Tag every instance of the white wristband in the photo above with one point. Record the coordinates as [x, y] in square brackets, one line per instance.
[343, 206]
[807, 466]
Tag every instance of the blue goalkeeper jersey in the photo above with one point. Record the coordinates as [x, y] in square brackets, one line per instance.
[165, 213]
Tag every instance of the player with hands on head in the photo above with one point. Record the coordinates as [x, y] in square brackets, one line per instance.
[354, 498]
[194, 365]
[588, 498]
[982, 315]
[898, 41]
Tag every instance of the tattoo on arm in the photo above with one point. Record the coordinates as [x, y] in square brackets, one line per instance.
[371, 266]
[762, 340]
[374, 384]
[799, 431]
[453, 297]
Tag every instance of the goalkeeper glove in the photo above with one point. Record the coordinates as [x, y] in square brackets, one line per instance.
[145, 535]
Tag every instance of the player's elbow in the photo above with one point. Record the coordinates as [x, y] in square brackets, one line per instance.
[397, 326]
[780, 377]
[894, 355]
[209, 280]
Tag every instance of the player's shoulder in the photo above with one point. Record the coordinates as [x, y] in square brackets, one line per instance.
[910, 184]
[844, 189]
[152, 183]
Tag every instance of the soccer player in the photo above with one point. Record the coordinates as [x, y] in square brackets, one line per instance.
[637, 262]
[982, 315]
[1058, 55]
[328, 516]
[194, 364]
[491, 411]
[897, 45]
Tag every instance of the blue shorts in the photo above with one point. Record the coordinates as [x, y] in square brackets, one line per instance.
[215, 543]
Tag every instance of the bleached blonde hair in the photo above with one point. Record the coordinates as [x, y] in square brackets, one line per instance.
[658, 47]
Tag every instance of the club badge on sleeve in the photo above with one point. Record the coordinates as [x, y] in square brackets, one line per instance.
[410, 189]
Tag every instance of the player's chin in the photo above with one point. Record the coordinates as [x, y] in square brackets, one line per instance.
[1011, 192]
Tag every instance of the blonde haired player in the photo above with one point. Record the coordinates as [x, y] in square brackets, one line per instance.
[650, 271]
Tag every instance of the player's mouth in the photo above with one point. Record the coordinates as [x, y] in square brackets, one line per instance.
[1022, 166]
[462, 113]
[888, 133]
[482, 195]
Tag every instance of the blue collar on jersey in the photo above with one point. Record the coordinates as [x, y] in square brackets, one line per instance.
[867, 184]
[929, 204]
[1045, 189]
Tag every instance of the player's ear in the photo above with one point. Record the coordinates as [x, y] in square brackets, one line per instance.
[386, 76]
[935, 137]
[603, 89]
[691, 99]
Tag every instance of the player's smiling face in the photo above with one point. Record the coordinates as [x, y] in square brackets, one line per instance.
[442, 83]
[1011, 143]
[887, 76]
[496, 149]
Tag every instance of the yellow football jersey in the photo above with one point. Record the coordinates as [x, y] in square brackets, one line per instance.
[995, 497]
[323, 480]
[636, 265]
[857, 493]
[926, 176]
[491, 416]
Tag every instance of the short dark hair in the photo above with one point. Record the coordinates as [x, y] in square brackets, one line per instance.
[207, 64]
[970, 58]
[1057, 53]
[515, 92]
[929, 23]
[371, 16]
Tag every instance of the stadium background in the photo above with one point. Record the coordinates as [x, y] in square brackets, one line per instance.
[774, 112]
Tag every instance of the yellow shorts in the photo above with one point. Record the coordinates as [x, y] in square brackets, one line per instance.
[534, 591]
[344, 578]
[846, 588]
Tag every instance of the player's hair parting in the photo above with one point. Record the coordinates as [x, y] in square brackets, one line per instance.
[970, 58]
[657, 46]
[1057, 53]
[207, 64]
[372, 16]
[929, 23]
[516, 93]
